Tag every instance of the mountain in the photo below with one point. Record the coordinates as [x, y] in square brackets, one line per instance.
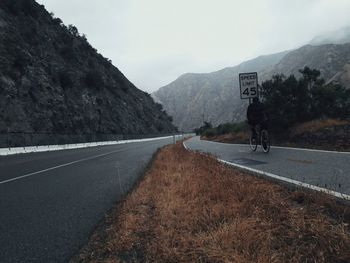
[52, 80]
[341, 36]
[333, 60]
[215, 97]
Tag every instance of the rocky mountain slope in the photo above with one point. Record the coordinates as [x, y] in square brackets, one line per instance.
[215, 97]
[333, 60]
[52, 80]
[194, 98]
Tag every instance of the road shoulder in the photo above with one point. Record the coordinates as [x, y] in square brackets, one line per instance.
[189, 206]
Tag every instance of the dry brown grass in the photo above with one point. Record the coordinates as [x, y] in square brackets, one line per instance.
[239, 137]
[191, 208]
[316, 125]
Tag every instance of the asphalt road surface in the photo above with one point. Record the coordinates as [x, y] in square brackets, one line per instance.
[51, 202]
[329, 170]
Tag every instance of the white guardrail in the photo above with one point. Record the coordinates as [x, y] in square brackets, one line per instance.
[47, 148]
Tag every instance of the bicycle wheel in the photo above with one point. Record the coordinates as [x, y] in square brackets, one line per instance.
[265, 141]
[253, 142]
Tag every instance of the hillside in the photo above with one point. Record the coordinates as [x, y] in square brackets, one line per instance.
[214, 97]
[52, 80]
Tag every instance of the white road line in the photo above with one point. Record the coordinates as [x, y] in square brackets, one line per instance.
[183, 143]
[295, 182]
[281, 178]
[280, 147]
[58, 166]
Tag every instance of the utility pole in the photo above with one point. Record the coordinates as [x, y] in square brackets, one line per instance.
[174, 110]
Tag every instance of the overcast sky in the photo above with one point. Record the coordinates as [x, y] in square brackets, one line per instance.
[155, 41]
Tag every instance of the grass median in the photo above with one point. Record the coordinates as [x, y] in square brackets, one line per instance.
[191, 208]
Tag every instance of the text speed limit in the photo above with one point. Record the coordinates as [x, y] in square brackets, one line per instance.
[248, 83]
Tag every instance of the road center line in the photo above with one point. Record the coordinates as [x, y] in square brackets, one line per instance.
[59, 166]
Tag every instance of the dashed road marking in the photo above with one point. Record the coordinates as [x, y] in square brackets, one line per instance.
[58, 166]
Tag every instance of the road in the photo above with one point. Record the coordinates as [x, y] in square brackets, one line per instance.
[51, 202]
[329, 170]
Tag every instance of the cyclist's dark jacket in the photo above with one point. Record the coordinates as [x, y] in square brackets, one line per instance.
[255, 113]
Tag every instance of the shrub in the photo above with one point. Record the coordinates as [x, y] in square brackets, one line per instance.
[68, 53]
[73, 30]
[65, 79]
[289, 101]
[21, 61]
[210, 132]
[93, 79]
[26, 7]
[206, 126]
[231, 127]
[159, 106]
[32, 96]
[57, 21]
[316, 125]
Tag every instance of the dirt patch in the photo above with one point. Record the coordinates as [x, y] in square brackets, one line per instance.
[240, 137]
[191, 208]
[317, 125]
[326, 134]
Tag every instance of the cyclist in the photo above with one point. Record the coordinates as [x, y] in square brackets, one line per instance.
[256, 116]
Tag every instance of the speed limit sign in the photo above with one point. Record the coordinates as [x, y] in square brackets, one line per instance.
[248, 83]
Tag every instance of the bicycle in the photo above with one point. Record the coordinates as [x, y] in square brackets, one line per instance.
[264, 137]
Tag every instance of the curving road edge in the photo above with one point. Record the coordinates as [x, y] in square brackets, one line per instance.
[282, 178]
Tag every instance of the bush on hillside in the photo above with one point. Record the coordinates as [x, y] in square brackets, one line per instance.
[209, 131]
[206, 126]
[289, 100]
[65, 79]
[26, 7]
[93, 79]
[73, 30]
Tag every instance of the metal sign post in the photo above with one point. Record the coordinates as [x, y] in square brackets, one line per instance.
[248, 84]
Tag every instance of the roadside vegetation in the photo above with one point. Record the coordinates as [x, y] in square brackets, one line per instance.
[191, 208]
[326, 134]
[303, 112]
[208, 130]
[290, 101]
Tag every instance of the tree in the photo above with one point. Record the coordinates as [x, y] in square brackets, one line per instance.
[202, 129]
[65, 79]
[310, 75]
[93, 79]
[73, 30]
[289, 101]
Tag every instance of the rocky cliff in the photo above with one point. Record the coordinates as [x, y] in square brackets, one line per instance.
[215, 97]
[52, 80]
